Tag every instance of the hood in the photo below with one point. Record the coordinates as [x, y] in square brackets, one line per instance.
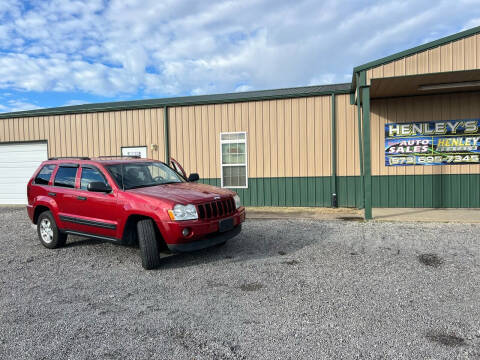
[183, 193]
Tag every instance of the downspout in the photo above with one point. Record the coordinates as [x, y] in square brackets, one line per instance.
[333, 184]
[361, 198]
[166, 135]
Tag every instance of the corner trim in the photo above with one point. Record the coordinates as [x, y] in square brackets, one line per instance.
[166, 135]
[334, 149]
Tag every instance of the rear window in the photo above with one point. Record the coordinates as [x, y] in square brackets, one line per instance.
[43, 177]
[65, 176]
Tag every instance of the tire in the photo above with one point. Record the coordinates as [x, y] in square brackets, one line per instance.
[48, 232]
[148, 244]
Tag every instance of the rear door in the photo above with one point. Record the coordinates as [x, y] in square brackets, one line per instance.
[95, 212]
[63, 191]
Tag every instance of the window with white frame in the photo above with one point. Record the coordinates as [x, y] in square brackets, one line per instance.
[233, 152]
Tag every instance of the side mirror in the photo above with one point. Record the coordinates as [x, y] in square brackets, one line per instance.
[98, 186]
[193, 177]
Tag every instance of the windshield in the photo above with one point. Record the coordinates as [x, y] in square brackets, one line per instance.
[142, 174]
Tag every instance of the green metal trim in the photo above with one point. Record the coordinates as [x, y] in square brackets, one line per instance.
[166, 135]
[334, 148]
[361, 203]
[297, 191]
[426, 191]
[352, 98]
[417, 49]
[276, 94]
[367, 150]
[393, 191]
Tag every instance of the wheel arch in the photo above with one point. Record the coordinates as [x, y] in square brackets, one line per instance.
[130, 236]
[38, 210]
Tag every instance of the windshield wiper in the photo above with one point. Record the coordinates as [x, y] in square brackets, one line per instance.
[152, 184]
[140, 186]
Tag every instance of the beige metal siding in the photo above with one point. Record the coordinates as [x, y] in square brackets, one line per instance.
[92, 134]
[463, 54]
[286, 138]
[348, 158]
[418, 109]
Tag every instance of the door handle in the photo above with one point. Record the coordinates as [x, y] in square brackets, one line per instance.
[81, 197]
[52, 194]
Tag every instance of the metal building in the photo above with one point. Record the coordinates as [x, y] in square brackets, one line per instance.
[416, 146]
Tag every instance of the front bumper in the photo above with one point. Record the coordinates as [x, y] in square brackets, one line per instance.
[208, 241]
[204, 232]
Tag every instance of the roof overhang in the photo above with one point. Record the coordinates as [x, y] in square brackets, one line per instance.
[425, 84]
[414, 50]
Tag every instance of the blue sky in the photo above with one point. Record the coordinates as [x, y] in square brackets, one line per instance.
[59, 52]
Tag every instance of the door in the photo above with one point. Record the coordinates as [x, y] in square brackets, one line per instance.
[177, 167]
[64, 192]
[18, 162]
[140, 151]
[95, 212]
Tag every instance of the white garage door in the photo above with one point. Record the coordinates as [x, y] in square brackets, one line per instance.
[18, 162]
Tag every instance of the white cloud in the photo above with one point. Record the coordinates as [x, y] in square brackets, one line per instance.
[189, 47]
[472, 23]
[17, 105]
[74, 102]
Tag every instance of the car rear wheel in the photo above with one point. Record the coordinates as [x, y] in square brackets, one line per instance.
[48, 232]
[147, 240]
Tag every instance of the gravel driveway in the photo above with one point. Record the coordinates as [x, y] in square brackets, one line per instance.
[283, 289]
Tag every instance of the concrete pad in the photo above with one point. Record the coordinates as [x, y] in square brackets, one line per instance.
[427, 215]
[379, 214]
[304, 213]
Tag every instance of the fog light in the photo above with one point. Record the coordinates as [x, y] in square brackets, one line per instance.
[186, 232]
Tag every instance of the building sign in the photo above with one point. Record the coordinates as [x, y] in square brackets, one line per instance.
[433, 143]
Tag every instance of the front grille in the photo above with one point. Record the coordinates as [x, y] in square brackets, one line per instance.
[216, 209]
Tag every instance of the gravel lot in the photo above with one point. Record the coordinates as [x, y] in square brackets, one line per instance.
[300, 289]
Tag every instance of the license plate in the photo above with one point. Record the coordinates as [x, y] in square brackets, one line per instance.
[225, 225]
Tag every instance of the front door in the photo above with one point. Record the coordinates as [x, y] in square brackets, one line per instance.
[178, 168]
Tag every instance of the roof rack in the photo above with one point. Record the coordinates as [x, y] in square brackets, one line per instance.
[120, 156]
[69, 157]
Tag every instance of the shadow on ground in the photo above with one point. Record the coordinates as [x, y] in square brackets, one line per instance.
[249, 244]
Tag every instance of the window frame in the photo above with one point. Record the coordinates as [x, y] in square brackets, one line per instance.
[89, 166]
[34, 182]
[245, 141]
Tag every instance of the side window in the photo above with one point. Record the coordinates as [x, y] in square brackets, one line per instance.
[43, 177]
[65, 176]
[90, 175]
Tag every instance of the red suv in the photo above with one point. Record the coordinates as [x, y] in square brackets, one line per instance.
[129, 200]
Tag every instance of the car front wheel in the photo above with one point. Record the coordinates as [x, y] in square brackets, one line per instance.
[148, 244]
[48, 232]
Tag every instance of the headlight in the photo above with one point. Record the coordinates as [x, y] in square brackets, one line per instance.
[238, 202]
[183, 212]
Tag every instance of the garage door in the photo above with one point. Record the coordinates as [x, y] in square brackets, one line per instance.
[17, 164]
